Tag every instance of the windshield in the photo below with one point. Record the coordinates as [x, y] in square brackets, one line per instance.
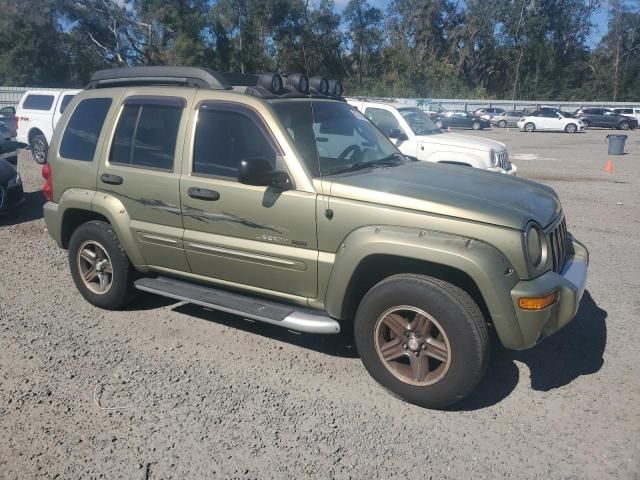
[419, 121]
[336, 138]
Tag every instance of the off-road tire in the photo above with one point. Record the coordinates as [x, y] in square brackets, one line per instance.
[571, 128]
[502, 124]
[529, 127]
[624, 126]
[39, 148]
[476, 126]
[121, 291]
[458, 315]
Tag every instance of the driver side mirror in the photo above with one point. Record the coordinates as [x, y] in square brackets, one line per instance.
[258, 171]
[398, 134]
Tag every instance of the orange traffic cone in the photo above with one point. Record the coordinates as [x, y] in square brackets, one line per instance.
[609, 167]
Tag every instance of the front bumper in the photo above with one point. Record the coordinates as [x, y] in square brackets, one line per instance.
[569, 285]
[513, 170]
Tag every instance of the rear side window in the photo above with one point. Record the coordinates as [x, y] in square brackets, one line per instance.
[224, 138]
[65, 101]
[38, 102]
[83, 130]
[146, 136]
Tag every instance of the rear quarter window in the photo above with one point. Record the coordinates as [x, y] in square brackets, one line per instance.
[81, 135]
[38, 102]
[65, 101]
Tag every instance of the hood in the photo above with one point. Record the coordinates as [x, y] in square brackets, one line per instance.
[466, 141]
[462, 192]
[7, 172]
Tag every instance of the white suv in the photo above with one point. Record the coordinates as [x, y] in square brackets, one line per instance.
[628, 111]
[37, 115]
[415, 135]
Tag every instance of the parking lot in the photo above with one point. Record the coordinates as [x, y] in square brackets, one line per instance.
[171, 390]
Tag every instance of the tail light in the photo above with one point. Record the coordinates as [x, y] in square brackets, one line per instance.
[47, 188]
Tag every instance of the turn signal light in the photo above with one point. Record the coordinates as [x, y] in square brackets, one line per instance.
[537, 303]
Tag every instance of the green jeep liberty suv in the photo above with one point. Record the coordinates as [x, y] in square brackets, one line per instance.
[275, 200]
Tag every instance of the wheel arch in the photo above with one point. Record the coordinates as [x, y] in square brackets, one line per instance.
[375, 268]
[372, 253]
[33, 131]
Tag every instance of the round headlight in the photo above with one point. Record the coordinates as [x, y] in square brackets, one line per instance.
[533, 238]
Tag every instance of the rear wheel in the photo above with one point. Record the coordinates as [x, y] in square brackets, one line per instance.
[423, 339]
[99, 266]
[502, 124]
[39, 148]
[529, 127]
[624, 126]
[571, 128]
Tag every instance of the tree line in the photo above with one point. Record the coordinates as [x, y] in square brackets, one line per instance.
[506, 49]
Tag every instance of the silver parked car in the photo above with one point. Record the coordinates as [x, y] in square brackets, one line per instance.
[507, 119]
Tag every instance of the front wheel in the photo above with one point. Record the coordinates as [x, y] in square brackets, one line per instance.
[39, 148]
[99, 266]
[423, 339]
[529, 127]
[571, 128]
[439, 124]
[476, 125]
[502, 124]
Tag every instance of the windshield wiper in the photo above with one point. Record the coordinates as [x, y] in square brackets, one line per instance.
[390, 161]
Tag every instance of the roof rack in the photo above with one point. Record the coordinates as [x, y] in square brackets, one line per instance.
[194, 77]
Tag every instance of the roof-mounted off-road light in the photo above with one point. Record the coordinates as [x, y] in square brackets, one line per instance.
[320, 84]
[335, 88]
[270, 81]
[298, 82]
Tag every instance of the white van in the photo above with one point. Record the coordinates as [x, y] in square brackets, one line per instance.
[37, 115]
[417, 136]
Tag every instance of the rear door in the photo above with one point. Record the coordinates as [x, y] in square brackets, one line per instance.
[141, 170]
[610, 119]
[242, 234]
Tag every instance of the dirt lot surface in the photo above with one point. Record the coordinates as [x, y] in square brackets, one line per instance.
[170, 390]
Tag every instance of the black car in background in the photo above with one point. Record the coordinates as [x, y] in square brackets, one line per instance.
[606, 118]
[8, 119]
[460, 119]
[11, 194]
[8, 145]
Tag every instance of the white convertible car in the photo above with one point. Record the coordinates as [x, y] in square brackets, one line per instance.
[551, 119]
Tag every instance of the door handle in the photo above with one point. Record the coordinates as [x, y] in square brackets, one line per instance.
[203, 194]
[111, 179]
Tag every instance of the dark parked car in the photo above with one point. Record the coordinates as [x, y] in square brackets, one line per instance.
[11, 194]
[606, 118]
[8, 146]
[461, 119]
[8, 119]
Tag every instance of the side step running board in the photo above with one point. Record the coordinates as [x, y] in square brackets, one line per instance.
[287, 316]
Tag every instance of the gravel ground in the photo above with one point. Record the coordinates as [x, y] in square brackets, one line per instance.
[171, 390]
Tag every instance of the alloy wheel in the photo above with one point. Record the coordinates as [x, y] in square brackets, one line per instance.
[412, 345]
[39, 150]
[94, 264]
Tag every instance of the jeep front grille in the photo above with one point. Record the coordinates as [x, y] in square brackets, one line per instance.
[503, 159]
[558, 244]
